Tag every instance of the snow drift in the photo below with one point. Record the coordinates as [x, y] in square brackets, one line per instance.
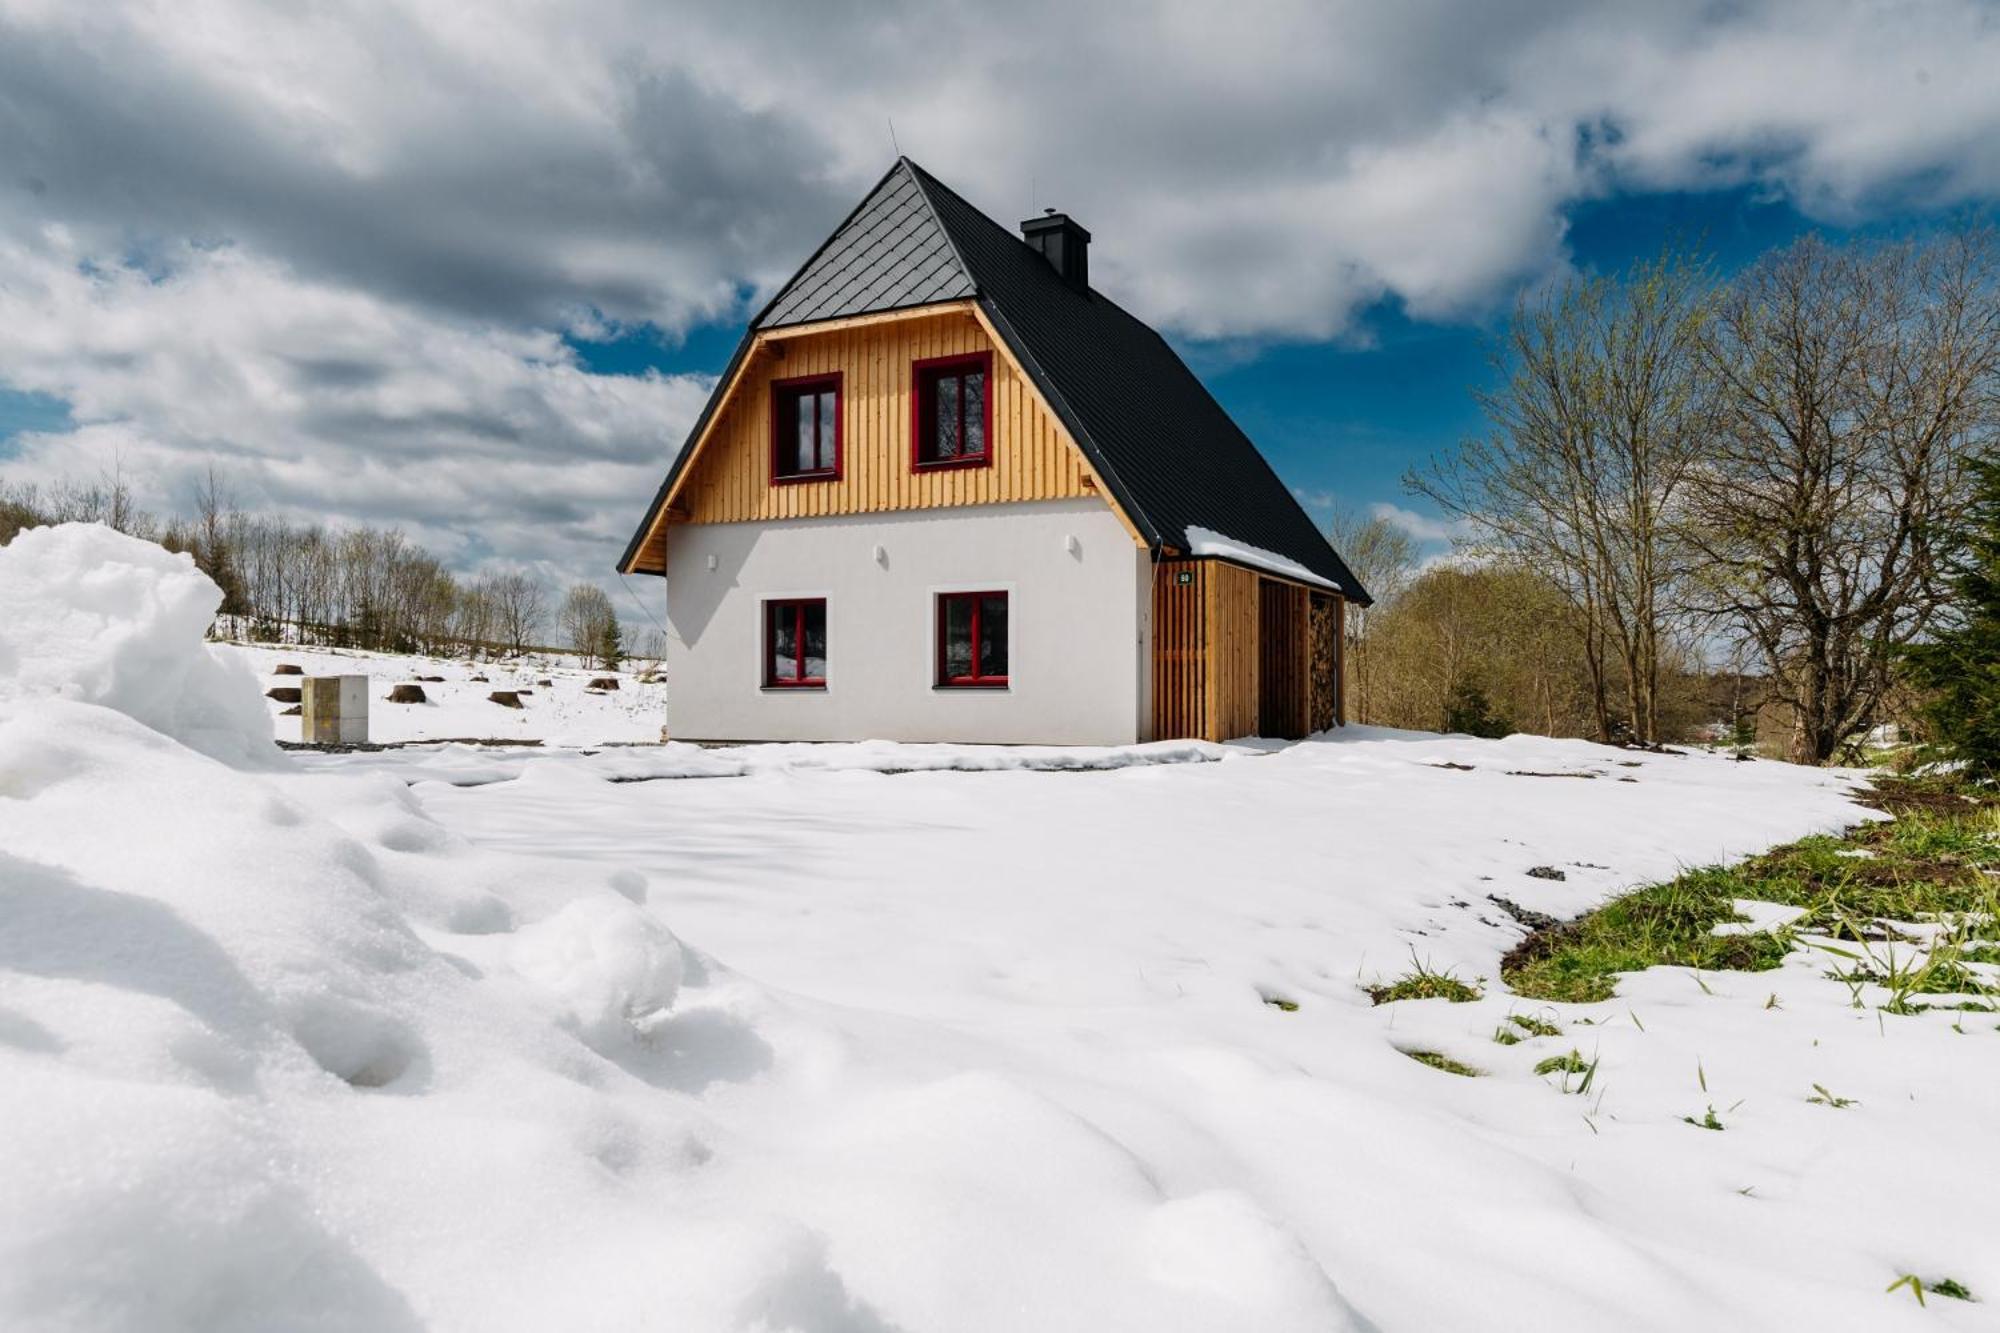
[336, 1044]
[278, 1051]
[95, 616]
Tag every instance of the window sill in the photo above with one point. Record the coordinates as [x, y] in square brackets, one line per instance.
[998, 686]
[951, 464]
[791, 689]
[805, 476]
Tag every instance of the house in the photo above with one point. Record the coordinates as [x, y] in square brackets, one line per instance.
[946, 490]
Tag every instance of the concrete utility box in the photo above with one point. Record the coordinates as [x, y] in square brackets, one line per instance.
[335, 710]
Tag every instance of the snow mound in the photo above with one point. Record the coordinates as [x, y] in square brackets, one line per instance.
[612, 969]
[91, 615]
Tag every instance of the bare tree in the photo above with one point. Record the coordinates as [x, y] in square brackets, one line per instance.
[1384, 557]
[1596, 428]
[585, 620]
[520, 604]
[1853, 386]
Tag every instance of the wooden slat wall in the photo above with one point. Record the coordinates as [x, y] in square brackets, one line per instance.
[1231, 608]
[1210, 637]
[1033, 458]
[1179, 657]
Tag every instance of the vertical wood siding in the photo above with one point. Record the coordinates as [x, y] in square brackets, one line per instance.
[1033, 458]
[1235, 653]
[1179, 651]
[1232, 651]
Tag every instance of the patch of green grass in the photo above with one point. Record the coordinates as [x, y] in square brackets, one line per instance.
[1422, 982]
[1821, 1097]
[1439, 1060]
[1944, 1286]
[1668, 924]
[1708, 1120]
[1281, 1003]
[1572, 1063]
[1928, 864]
[1519, 1027]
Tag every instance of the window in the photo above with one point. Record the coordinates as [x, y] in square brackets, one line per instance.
[805, 428]
[795, 644]
[972, 638]
[953, 404]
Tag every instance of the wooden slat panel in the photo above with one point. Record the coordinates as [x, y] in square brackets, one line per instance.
[1032, 457]
[1179, 656]
[1232, 651]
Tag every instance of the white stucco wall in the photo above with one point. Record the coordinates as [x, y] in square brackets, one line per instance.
[1079, 662]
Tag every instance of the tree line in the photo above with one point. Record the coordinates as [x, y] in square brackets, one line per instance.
[344, 587]
[1681, 474]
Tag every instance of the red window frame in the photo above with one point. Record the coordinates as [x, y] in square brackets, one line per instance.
[924, 376]
[977, 680]
[785, 393]
[799, 679]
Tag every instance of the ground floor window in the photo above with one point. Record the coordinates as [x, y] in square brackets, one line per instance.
[972, 639]
[795, 643]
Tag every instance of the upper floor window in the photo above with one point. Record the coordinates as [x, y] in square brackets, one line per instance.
[953, 411]
[805, 428]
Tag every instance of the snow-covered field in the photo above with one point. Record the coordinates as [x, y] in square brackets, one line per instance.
[845, 1039]
[556, 704]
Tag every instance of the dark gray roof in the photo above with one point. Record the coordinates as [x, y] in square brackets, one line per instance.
[890, 254]
[1171, 457]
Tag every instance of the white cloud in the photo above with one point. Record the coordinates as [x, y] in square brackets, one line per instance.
[1423, 527]
[335, 244]
[329, 403]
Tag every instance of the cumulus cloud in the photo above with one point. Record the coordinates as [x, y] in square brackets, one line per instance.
[1423, 527]
[328, 402]
[337, 244]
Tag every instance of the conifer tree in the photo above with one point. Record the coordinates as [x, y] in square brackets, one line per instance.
[1959, 666]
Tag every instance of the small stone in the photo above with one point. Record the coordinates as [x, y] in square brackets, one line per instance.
[1547, 872]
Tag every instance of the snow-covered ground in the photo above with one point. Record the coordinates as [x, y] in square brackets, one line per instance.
[556, 704]
[846, 1039]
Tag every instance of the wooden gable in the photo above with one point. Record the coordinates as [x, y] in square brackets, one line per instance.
[729, 478]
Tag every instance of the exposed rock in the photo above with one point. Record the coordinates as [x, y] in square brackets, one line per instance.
[285, 694]
[288, 669]
[294, 711]
[408, 694]
[605, 683]
[1546, 872]
[506, 698]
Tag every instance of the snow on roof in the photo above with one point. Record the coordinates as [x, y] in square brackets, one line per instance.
[1207, 541]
